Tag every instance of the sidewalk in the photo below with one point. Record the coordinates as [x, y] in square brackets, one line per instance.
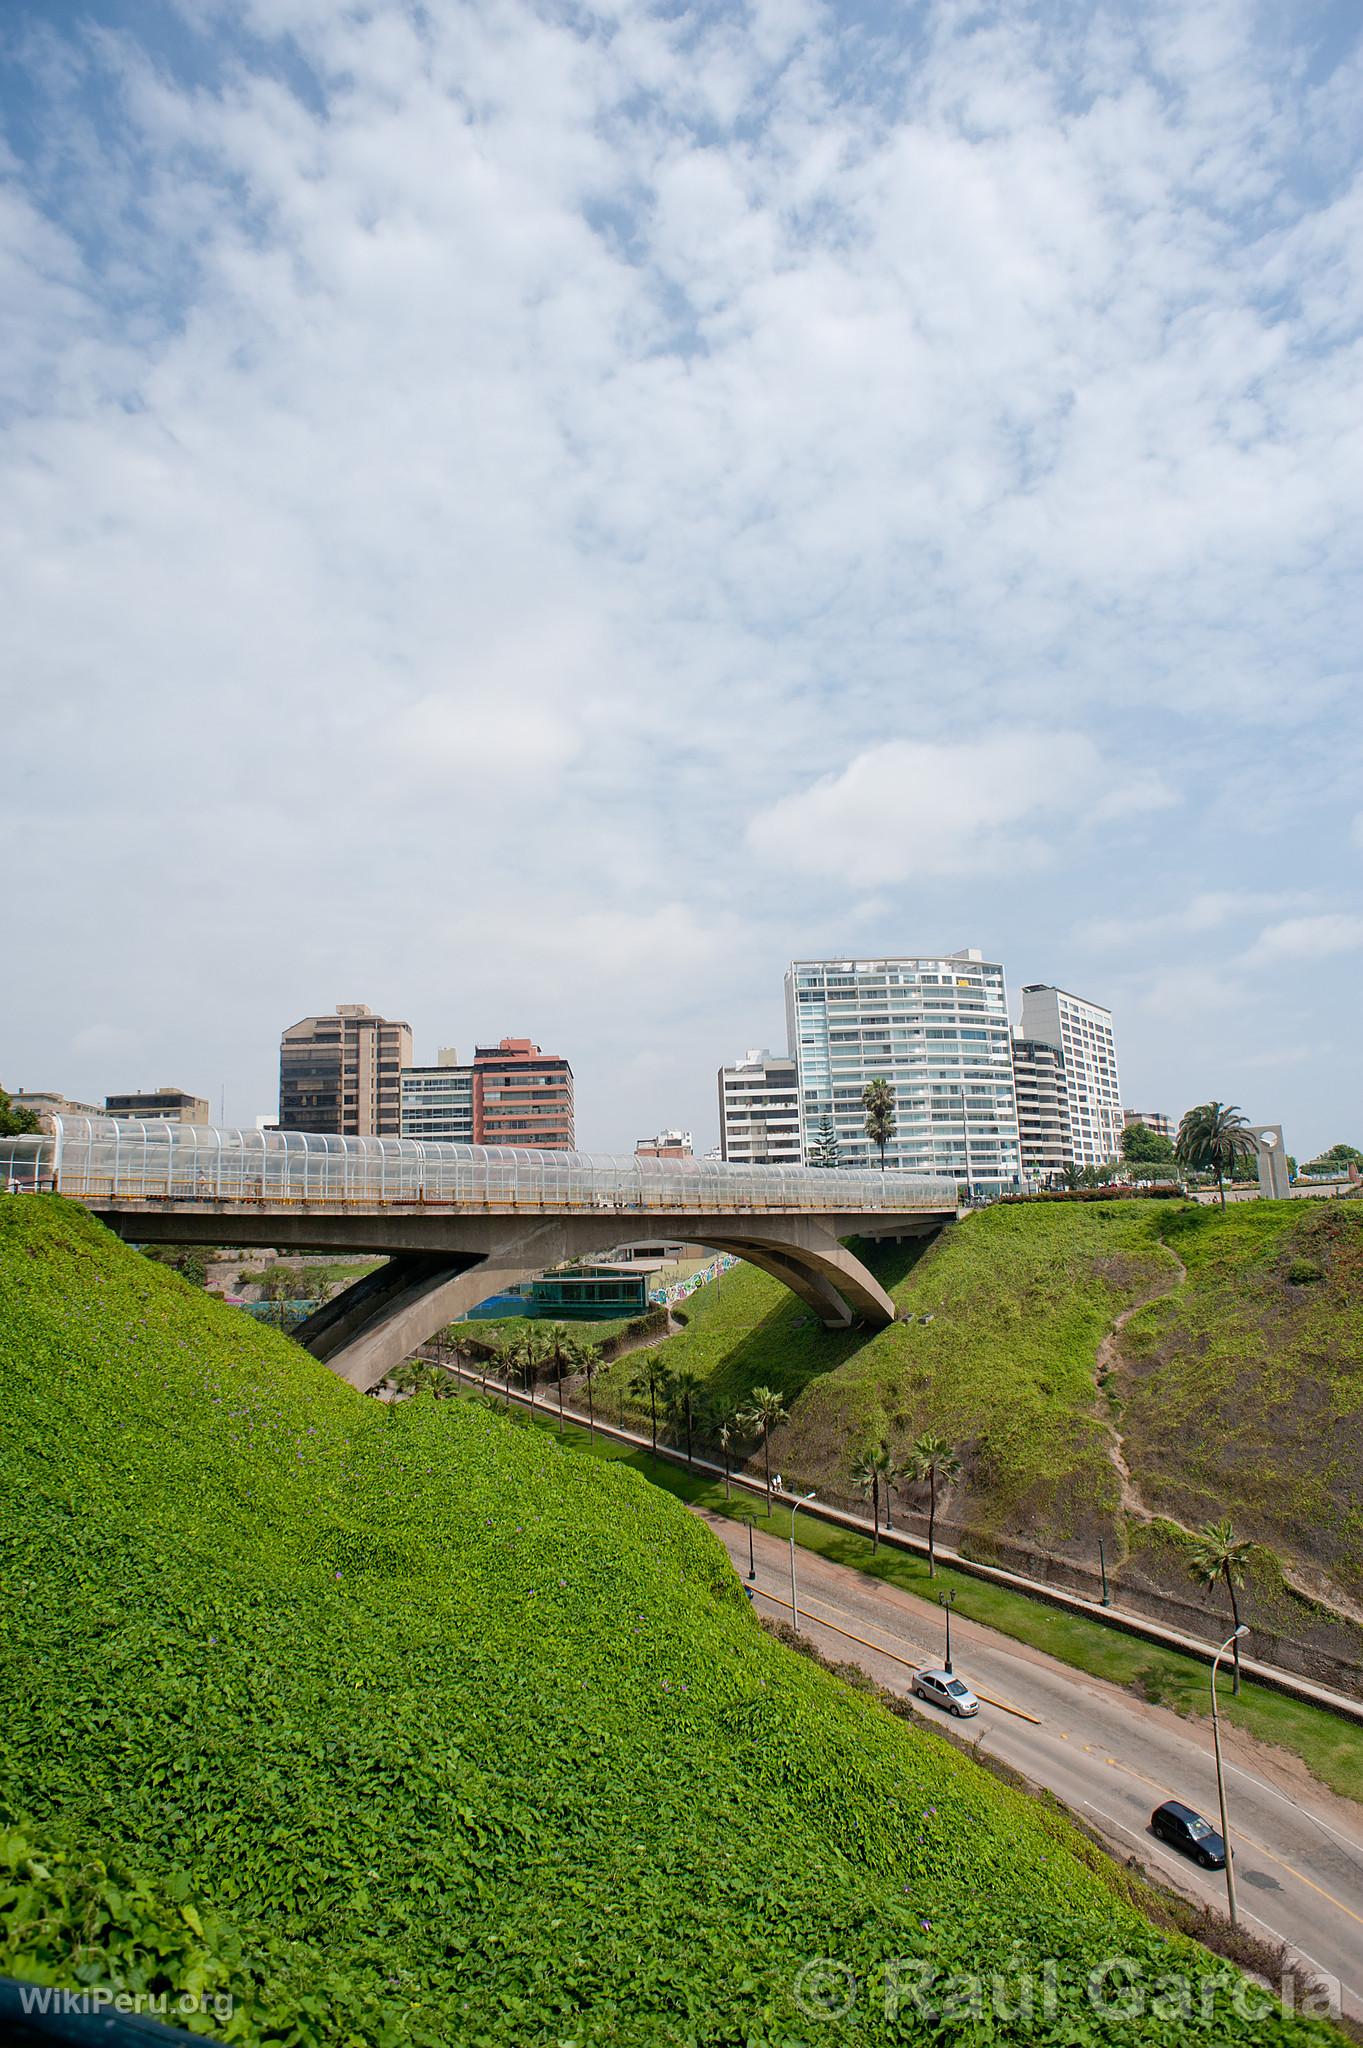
[1121, 1618]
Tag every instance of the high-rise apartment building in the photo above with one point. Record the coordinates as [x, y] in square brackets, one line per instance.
[1043, 1108]
[437, 1102]
[341, 1074]
[759, 1111]
[522, 1096]
[935, 1028]
[1083, 1033]
[158, 1105]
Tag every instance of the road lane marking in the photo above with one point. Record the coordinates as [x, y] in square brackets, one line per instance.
[1300, 1876]
[1148, 1847]
[1354, 1848]
[893, 1655]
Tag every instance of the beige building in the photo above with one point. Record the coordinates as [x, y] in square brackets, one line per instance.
[158, 1105]
[341, 1075]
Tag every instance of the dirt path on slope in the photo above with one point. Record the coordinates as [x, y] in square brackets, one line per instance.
[1105, 1363]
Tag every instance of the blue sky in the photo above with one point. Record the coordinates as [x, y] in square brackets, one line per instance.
[531, 517]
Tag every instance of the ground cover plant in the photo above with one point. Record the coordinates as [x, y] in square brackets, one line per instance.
[402, 1723]
[1019, 1297]
[1246, 1385]
[1328, 1745]
[1221, 1352]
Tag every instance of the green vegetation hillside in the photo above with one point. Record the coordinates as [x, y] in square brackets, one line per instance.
[400, 1724]
[1246, 1386]
[1238, 1390]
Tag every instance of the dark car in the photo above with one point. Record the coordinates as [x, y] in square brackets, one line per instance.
[1189, 1833]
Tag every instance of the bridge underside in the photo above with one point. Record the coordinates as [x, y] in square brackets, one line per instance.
[441, 1266]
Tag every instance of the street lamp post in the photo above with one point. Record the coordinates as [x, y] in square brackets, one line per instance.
[948, 1600]
[795, 1507]
[1221, 1775]
[1102, 1566]
[751, 1521]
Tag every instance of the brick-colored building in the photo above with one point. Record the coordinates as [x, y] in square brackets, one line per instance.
[522, 1096]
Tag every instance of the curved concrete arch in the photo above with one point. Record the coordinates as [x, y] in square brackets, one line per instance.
[367, 1331]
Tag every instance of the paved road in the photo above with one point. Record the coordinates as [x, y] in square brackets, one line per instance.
[1110, 1757]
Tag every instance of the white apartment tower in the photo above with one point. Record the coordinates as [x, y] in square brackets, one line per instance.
[759, 1111]
[1083, 1033]
[935, 1027]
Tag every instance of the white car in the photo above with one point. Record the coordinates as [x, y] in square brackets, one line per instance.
[943, 1689]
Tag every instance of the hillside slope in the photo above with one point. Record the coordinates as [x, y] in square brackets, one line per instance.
[398, 1724]
[1246, 1385]
[1220, 1354]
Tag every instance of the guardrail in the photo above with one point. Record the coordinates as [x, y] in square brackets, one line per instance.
[104, 1160]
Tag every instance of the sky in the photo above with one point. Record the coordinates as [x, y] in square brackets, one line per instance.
[533, 516]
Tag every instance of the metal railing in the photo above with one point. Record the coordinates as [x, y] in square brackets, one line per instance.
[103, 1159]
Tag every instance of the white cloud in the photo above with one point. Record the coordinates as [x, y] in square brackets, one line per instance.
[495, 453]
[915, 808]
[1208, 910]
[1307, 938]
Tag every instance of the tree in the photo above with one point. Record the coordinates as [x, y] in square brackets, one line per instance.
[874, 1468]
[15, 1123]
[765, 1412]
[726, 1434]
[685, 1393]
[824, 1151]
[878, 1103]
[1217, 1553]
[1336, 1159]
[589, 1363]
[559, 1350]
[651, 1378]
[1212, 1138]
[932, 1460]
[530, 1352]
[1143, 1147]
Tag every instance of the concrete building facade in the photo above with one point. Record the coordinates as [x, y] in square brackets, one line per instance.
[522, 1095]
[436, 1102]
[1153, 1119]
[340, 1075]
[935, 1028]
[1043, 1109]
[1083, 1033]
[666, 1145]
[759, 1111]
[158, 1105]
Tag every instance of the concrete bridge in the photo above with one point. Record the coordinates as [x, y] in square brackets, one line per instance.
[461, 1222]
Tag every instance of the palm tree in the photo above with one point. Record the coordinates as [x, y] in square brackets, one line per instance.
[878, 1103]
[726, 1434]
[1213, 1138]
[932, 1459]
[1217, 1553]
[589, 1363]
[651, 1378]
[559, 1346]
[685, 1393]
[529, 1353]
[874, 1468]
[761, 1418]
